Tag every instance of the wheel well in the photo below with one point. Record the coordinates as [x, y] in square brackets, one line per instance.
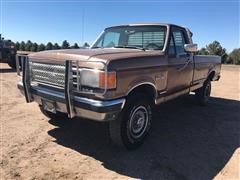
[146, 89]
[211, 75]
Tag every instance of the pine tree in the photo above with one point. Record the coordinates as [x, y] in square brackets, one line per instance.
[56, 46]
[22, 46]
[49, 46]
[34, 47]
[75, 46]
[17, 45]
[28, 45]
[86, 45]
[41, 47]
[65, 44]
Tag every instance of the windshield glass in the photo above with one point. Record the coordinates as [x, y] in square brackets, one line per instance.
[145, 37]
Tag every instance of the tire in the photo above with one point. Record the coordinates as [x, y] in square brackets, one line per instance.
[12, 62]
[50, 115]
[133, 124]
[202, 95]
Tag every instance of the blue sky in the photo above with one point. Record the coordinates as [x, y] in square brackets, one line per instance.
[80, 21]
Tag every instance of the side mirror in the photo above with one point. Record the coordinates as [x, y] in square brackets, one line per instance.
[190, 48]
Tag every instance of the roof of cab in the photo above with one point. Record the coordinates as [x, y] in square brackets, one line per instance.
[149, 24]
[145, 24]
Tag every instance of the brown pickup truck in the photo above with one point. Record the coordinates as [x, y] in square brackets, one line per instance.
[127, 70]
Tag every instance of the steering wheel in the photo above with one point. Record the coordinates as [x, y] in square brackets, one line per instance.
[152, 45]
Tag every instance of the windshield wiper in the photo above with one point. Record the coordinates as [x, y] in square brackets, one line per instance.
[131, 47]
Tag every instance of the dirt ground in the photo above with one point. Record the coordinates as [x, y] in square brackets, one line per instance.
[186, 142]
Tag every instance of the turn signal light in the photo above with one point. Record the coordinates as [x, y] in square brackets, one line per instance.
[107, 80]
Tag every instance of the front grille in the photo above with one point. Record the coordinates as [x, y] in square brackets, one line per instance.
[76, 78]
[49, 74]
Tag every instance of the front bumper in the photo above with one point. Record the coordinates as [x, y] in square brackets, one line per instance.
[82, 107]
[67, 101]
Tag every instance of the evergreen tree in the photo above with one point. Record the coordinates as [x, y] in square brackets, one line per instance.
[56, 46]
[65, 44]
[49, 46]
[17, 45]
[86, 45]
[41, 47]
[28, 45]
[75, 46]
[234, 57]
[215, 48]
[22, 46]
[203, 51]
[34, 47]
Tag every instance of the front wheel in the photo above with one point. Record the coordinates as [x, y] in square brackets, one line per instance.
[203, 94]
[132, 126]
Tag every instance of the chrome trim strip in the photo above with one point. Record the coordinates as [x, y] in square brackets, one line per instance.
[48, 92]
[98, 103]
[163, 92]
[145, 83]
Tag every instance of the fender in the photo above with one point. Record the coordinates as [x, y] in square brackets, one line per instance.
[140, 82]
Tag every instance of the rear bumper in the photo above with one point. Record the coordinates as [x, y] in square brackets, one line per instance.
[82, 107]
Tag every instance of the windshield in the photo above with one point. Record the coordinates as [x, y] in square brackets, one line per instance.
[145, 37]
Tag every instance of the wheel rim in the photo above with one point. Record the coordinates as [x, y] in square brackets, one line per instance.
[138, 122]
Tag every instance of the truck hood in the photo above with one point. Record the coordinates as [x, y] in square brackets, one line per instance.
[106, 54]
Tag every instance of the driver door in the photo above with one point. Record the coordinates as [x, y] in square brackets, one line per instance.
[180, 63]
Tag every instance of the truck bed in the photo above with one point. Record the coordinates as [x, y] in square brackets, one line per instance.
[204, 65]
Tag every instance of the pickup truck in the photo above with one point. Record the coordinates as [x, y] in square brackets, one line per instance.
[7, 52]
[126, 72]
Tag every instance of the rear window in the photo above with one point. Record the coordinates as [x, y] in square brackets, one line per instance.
[144, 39]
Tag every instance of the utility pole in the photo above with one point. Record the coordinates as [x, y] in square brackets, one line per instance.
[83, 14]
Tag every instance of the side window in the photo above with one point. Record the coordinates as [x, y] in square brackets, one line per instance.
[111, 39]
[171, 50]
[179, 41]
[99, 43]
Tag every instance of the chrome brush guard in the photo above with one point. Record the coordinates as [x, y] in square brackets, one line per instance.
[71, 79]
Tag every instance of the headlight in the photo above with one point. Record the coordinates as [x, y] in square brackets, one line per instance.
[98, 79]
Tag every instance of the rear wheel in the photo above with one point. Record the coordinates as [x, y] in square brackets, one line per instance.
[203, 94]
[132, 126]
[55, 116]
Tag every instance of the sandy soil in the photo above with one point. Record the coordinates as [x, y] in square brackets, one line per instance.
[186, 142]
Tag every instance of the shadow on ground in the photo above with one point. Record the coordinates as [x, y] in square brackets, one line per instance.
[7, 70]
[186, 142]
